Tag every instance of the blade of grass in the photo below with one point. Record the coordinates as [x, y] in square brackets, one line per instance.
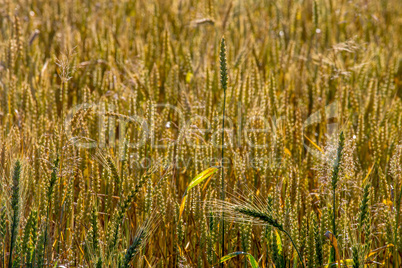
[251, 259]
[194, 182]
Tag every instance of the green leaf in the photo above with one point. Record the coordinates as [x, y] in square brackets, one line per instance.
[278, 242]
[202, 176]
[250, 257]
[183, 202]
[194, 182]
[252, 261]
[334, 243]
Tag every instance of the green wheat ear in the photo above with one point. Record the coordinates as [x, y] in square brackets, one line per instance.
[364, 209]
[222, 60]
[270, 220]
[318, 243]
[53, 179]
[251, 210]
[265, 217]
[338, 160]
[15, 207]
[315, 15]
[141, 238]
[134, 247]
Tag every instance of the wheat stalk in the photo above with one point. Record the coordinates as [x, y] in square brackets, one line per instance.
[224, 81]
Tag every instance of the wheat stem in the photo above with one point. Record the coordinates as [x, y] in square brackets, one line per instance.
[335, 179]
[53, 178]
[224, 79]
[293, 243]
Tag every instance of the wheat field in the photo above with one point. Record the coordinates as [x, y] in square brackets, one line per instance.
[203, 133]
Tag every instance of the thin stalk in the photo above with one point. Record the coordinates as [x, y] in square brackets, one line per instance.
[293, 243]
[398, 207]
[53, 179]
[334, 211]
[332, 253]
[47, 223]
[224, 80]
[223, 178]
[335, 179]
